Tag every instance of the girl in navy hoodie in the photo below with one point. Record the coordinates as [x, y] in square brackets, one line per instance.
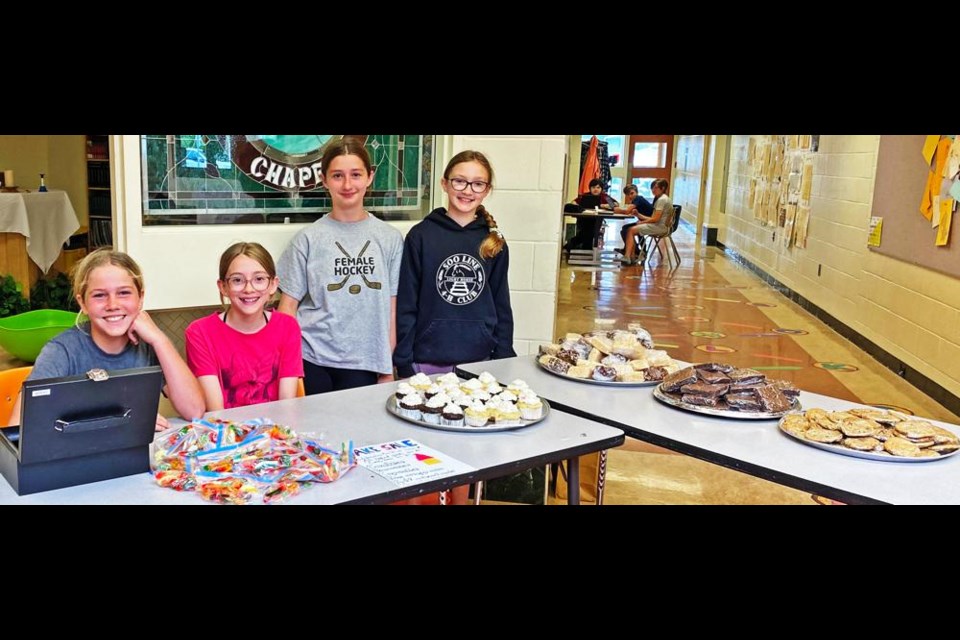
[453, 302]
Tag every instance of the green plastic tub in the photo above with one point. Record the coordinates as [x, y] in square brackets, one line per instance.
[24, 334]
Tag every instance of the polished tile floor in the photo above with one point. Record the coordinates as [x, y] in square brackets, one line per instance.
[710, 307]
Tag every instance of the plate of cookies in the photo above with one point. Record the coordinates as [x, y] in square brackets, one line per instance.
[719, 389]
[618, 358]
[480, 404]
[874, 434]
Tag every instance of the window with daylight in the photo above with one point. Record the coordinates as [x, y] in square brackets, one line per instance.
[231, 179]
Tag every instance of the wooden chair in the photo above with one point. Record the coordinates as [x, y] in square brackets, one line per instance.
[10, 382]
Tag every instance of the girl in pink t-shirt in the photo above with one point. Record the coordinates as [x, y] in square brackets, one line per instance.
[246, 354]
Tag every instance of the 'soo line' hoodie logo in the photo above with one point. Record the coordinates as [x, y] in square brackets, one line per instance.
[460, 279]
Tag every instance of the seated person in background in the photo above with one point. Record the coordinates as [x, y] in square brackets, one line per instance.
[633, 204]
[587, 227]
[656, 224]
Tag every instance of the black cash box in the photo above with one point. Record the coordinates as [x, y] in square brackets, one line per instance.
[81, 429]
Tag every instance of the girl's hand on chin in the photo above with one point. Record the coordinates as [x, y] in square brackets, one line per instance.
[143, 328]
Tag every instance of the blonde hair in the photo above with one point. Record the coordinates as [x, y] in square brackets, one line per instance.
[99, 258]
[494, 242]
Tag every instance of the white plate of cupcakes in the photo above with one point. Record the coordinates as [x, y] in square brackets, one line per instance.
[477, 405]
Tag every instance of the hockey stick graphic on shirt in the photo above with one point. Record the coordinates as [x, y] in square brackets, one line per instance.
[336, 286]
[339, 285]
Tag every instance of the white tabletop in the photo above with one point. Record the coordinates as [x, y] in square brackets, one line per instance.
[361, 415]
[757, 447]
[46, 219]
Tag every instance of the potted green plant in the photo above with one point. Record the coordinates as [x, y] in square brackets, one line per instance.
[55, 292]
[12, 301]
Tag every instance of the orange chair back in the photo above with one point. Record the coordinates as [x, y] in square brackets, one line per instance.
[10, 382]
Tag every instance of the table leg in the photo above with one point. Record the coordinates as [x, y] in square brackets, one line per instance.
[573, 481]
[477, 491]
[601, 476]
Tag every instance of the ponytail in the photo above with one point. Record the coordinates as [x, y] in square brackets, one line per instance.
[494, 243]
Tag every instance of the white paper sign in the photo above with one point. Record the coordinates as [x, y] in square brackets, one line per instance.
[406, 462]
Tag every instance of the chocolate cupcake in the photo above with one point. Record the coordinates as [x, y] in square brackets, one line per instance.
[410, 406]
[452, 416]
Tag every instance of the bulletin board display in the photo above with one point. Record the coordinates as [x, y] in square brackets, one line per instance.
[900, 181]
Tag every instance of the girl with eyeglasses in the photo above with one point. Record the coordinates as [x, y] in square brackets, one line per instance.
[453, 304]
[339, 278]
[246, 354]
[118, 334]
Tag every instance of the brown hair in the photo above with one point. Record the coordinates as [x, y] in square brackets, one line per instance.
[254, 251]
[345, 147]
[663, 183]
[101, 257]
[494, 242]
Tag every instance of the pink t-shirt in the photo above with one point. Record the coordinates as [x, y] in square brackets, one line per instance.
[249, 366]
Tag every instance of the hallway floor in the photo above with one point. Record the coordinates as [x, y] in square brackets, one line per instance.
[711, 308]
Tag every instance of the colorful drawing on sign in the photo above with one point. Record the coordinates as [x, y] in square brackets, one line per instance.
[836, 366]
[715, 348]
[425, 459]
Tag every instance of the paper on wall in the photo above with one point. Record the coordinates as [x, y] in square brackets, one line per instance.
[929, 146]
[876, 230]
[800, 226]
[946, 217]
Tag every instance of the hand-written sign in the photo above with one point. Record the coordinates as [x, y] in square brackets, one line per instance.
[406, 462]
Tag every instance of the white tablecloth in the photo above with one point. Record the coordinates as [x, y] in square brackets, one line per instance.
[47, 220]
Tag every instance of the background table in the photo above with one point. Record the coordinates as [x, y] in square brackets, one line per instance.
[596, 256]
[46, 220]
[361, 415]
[757, 447]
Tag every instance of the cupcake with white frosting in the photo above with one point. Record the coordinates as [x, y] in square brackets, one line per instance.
[452, 416]
[530, 405]
[486, 378]
[432, 409]
[421, 381]
[476, 414]
[410, 406]
[448, 380]
[508, 414]
[404, 389]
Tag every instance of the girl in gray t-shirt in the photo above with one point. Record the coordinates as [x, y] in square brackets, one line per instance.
[339, 278]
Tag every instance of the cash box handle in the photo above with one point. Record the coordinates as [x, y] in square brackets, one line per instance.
[92, 424]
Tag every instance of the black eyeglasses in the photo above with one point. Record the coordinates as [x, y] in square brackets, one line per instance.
[259, 282]
[477, 186]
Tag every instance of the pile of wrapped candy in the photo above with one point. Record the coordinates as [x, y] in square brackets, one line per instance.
[238, 462]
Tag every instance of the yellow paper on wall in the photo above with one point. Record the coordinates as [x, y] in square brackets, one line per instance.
[876, 230]
[946, 216]
[934, 178]
[929, 146]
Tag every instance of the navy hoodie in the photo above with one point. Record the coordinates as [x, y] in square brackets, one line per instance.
[452, 306]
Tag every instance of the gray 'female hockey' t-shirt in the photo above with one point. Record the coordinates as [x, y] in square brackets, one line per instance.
[344, 274]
